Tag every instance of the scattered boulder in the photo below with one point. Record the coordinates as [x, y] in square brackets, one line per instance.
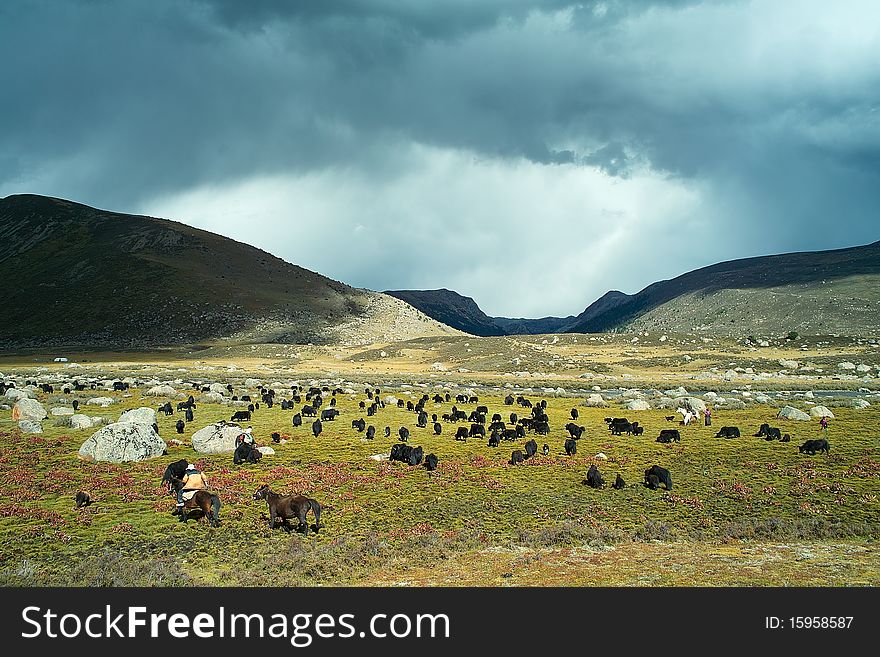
[143, 415]
[792, 413]
[161, 391]
[821, 411]
[595, 400]
[121, 442]
[61, 410]
[860, 404]
[14, 394]
[266, 450]
[788, 364]
[211, 398]
[80, 421]
[637, 405]
[29, 426]
[846, 365]
[693, 404]
[218, 388]
[100, 401]
[28, 409]
[216, 438]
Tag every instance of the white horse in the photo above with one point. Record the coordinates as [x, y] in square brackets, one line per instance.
[686, 415]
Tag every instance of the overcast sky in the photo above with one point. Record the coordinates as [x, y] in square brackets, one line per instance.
[532, 155]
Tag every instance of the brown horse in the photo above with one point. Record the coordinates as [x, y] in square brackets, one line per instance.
[289, 506]
[206, 502]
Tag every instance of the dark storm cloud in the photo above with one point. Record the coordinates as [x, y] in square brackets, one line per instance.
[765, 115]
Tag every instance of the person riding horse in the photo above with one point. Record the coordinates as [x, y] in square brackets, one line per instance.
[193, 480]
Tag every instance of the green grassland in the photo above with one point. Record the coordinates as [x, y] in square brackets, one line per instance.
[740, 512]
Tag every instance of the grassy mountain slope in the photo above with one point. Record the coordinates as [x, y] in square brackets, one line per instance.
[834, 291]
[79, 276]
[452, 309]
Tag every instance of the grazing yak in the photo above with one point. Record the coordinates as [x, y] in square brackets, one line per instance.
[438, 428]
[241, 415]
[462, 433]
[656, 475]
[769, 433]
[574, 430]
[516, 457]
[174, 471]
[246, 453]
[403, 432]
[574, 414]
[360, 425]
[309, 411]
[180, 426]
[668, 436]
[82, 499]
[387, 432]
[594, 478]
[531, 448]
[297, 420]
[494, 439]
[166, 408]
[619, 483]
[407, 454]
[371, 432]
[813, 446]
[329, 414]
[431, 462]
[571, 447]
[728, 432]
[317, 428]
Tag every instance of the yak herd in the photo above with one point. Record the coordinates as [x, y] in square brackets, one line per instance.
[478, 423]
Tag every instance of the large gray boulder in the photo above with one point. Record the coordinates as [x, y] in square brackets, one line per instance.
[792, 413]
[58, 411]
[100, 401]
[80, 421]
[637, 405]
[14, 394]
[143, 415]
[211, 398]
[821, 411]
[28, 409]
[216, 438]
[596, 401]
[693, 404]
[161, 391]
[121, 442]
[218, 388]
[29, 426]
